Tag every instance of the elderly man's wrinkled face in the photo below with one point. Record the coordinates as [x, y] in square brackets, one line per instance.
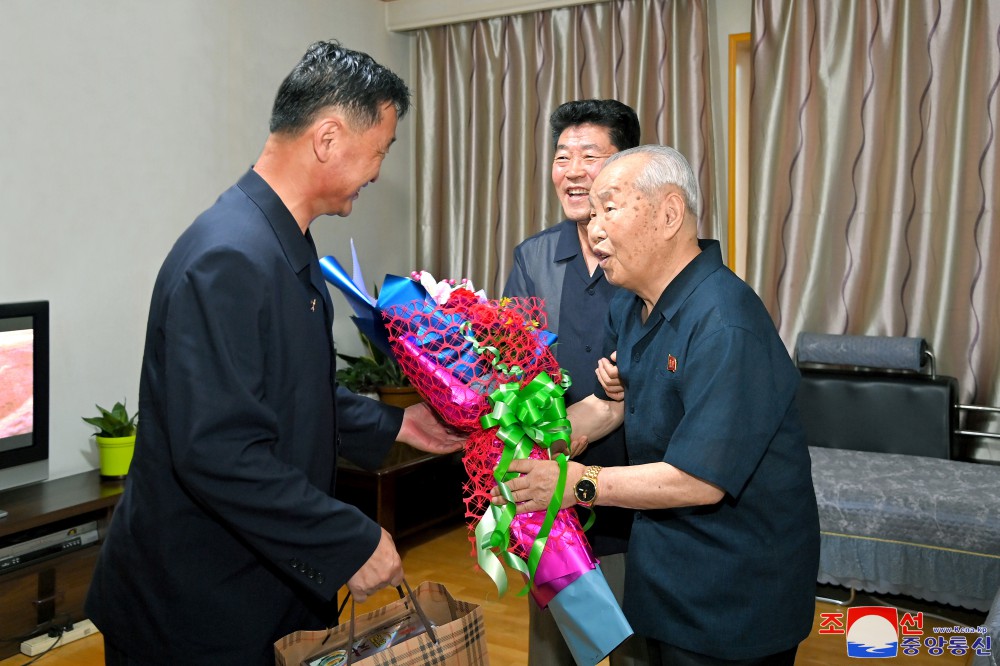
[580, 154]
[626, 226]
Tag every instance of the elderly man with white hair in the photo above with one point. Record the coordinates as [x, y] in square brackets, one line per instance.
[724, 549]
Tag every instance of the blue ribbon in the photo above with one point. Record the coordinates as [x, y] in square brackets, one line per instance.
[436, 333]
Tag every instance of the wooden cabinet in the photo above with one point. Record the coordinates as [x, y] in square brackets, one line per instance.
[410, 491]
[52, 590]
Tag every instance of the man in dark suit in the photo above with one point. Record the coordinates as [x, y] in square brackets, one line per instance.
[228, 536]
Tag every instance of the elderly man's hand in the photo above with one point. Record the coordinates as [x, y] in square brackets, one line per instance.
[533, 490]
[607, 374]
[423, 430]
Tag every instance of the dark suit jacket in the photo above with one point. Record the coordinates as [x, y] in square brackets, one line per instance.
[227, 536]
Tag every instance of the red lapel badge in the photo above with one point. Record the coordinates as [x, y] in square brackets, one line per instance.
[671, 363]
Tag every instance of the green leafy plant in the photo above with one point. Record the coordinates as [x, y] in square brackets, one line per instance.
[114, 423]
[365, 374]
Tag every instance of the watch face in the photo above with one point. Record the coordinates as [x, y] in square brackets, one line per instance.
[586, 490]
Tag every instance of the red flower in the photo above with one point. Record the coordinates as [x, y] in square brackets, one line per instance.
[462, 298]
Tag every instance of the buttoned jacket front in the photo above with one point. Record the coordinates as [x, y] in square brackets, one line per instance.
[228, 535]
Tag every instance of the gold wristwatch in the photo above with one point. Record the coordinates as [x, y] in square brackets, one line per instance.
[586, 488]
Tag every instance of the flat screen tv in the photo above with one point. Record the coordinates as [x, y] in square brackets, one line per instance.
[24, 393]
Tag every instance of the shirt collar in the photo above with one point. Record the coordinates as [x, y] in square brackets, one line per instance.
[568, 245]
[683, 285]
[298, 247]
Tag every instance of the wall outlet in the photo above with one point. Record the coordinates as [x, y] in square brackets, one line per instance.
[40, 644]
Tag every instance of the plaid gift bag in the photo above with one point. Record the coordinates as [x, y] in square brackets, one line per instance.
[457, 635]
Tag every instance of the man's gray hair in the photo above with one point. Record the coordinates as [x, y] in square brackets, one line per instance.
[330, 75]
[665, 166]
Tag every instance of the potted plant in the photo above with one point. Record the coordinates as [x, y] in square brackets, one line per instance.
[377, 373]
[115, 438]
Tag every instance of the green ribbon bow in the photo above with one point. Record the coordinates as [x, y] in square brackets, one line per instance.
[535, 414]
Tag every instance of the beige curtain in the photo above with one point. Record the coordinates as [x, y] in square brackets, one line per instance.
[873, 199]
[483, 94]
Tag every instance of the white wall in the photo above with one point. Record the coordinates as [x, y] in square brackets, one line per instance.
[120, 121]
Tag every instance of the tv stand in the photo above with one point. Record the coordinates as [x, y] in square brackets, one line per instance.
[53, 589]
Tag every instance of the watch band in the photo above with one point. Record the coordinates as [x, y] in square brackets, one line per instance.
[589, 474]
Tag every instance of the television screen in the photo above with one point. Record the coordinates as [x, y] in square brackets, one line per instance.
[24, 392]
[17, 383]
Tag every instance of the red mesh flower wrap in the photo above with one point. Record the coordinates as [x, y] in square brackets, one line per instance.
[461, 354]
[480, 344]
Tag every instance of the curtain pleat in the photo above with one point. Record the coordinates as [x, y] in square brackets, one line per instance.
[875, 180]
[483, 94]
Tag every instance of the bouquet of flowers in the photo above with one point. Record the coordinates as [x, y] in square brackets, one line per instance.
[486, 368]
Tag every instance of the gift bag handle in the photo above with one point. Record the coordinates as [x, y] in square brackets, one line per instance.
[416, 607]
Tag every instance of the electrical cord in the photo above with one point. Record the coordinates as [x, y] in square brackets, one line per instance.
[56, 630]
[56, 633]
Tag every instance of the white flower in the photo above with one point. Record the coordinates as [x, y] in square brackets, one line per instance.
[440, 291]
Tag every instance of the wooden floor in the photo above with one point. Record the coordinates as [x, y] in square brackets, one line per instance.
[443, 555]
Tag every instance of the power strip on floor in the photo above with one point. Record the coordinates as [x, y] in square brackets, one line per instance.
[40, 644]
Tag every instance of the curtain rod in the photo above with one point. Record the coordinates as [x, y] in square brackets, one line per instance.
[402, 15]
